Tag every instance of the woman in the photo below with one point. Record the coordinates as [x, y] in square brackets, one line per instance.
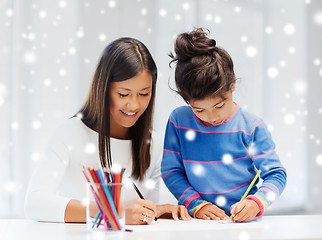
[114, 126]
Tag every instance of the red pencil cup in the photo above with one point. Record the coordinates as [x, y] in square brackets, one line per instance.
[104, 211]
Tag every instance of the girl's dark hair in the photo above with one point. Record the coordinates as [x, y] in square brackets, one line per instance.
[122, 59]
[202, 68]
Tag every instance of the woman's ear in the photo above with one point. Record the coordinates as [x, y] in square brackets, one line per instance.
[233, 85]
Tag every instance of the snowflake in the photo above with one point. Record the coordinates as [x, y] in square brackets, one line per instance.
[102, 37]
[289, 29]
[72, 50]
[85, 201]
[291, 50]
[283, 63]
[178, 17]
[272, 72]
[80, 33]
[116, 168]
[209, 17]
[251, 51]
[186, 6]
[289, 119]
[79, 115]
[62, 72]
[227, 158]
[270, 127]
[243, 38]
[144, 11]
[237, 9]
[198, 170]
[190, 135]
[318, 18]
[268, 30]
[29, 57]
[300, 87]
[42, 14]
[36, 124]
[221, 201]
[163, 12]
[319, 159]
[62, 4]
[9, 12]
[112, 4]
[317, 62]
[251, 150]
[218, 20]
[149, 184]
[271, 196]
[14, 125]
[90, 148]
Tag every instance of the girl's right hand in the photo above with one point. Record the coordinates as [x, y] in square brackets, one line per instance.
[140, 212]
[211, 212]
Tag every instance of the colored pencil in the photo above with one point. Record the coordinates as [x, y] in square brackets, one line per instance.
[248, 189]
[106, 204]
[140, 195]
[107, 200]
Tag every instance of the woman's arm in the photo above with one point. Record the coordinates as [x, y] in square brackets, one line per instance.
[76, 211]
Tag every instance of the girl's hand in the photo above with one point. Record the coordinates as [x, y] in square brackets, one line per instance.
[173, 211]
[211, 212]
[140, 212]
[244, 210]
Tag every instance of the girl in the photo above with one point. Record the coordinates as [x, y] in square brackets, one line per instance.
[114, 128]
[213, 148]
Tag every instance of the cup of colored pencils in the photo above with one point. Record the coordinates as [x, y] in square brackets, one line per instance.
[105, 209]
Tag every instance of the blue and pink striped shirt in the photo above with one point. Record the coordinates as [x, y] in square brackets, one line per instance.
[217, 163]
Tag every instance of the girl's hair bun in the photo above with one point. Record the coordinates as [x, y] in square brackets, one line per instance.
[193, 43]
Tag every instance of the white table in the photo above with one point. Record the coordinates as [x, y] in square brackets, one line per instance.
[268, 227]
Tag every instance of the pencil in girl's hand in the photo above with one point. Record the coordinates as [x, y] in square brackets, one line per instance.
[248, 189]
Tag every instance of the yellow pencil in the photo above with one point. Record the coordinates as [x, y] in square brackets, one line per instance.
[248, 189]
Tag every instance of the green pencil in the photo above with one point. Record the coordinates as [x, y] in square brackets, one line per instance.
[248, 189]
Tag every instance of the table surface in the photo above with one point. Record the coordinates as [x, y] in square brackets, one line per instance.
[267, 227]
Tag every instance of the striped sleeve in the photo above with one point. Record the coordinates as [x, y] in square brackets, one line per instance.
[263, 153]
[173, 172]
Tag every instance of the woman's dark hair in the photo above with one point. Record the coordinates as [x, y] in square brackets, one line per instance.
[122, 59]
[202, 68]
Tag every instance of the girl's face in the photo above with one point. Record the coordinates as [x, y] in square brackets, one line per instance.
[213, 110]
[129, 99]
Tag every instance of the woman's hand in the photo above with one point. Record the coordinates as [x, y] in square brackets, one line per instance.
[244, 210]
[173, 211]
[140, 212]
[211, 212]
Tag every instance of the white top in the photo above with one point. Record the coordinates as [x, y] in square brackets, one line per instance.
[59, 177]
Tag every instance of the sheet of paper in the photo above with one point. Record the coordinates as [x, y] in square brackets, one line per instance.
[194, 224]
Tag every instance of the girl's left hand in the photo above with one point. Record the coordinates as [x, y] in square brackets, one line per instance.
[244, 210]
[173, 211]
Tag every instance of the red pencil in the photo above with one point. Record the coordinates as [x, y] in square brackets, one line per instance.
[108, 210]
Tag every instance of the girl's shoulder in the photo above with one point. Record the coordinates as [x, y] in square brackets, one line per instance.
[248, 119]
[181, 111]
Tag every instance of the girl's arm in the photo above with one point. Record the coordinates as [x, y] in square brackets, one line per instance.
[173, 172]
[273, 173]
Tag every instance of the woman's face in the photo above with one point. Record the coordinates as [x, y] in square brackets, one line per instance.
[129, 99]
